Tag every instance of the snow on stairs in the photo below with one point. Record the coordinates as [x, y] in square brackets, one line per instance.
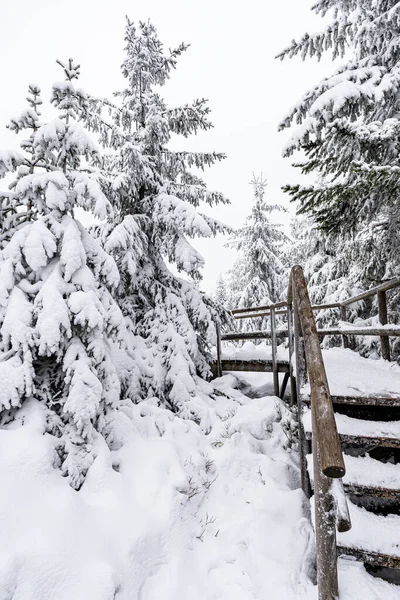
[371, 482]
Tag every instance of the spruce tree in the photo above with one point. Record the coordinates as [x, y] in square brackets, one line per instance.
[349, 130]
[59, 322]
[330, 273]
[156, 198]
[260, 244]
[221, 295]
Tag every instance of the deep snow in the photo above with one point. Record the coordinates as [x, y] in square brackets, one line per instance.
[175, 512]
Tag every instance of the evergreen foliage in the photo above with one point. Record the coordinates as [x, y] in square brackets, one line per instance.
[156, 198]
[261, 269]
[348, 128]
[59, 321]
[221, 294]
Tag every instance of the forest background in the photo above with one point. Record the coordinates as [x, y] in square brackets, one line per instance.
[230, 62]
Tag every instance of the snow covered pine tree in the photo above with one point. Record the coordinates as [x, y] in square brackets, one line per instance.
[57, 314]
[156, 199]
[260, 244]
[221, 295]
[349, 131]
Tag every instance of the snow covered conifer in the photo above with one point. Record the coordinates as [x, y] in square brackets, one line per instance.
[260, 244]
[156, 197]
[348, 128]
[221, 295]
[58, 318]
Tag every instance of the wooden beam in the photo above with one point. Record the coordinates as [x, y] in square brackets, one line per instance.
[253, 335]
[301, 374]
[293, 389]
[219, 368]
[357, 489]
[253, 365]
[332, 463]
[376, 331]
[325, 530]
[383, 319]
[377, 559]
[343, 317]
[384, 287]
[367, 400]
[258, 308]
[274, 351]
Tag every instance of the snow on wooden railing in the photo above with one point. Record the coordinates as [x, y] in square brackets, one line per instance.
[383, 330]
[329, 499]
[331, 509]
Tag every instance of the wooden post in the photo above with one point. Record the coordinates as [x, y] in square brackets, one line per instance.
[274, 352]
[325, 531]
[300, 381]
[293, 391]
[331, 457]
[343, 317]
[383, 319]
[219, 366]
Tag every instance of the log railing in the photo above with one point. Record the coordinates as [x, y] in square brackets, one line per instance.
[328, 464]
[304, 338]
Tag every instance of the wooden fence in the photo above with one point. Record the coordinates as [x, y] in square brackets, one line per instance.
[331, 510]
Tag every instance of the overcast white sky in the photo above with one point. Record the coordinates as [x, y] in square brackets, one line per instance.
[230, 62]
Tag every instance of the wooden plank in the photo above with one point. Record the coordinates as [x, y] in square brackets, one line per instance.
[372, 558]
[325, 531]
[367, 490]
[369, 441]
[283, 386]
[252, 335]
[377, 331]
[362, 400]
[274, 351]
[252, 315]
[343, 317]
[331, 458]
[253, 365]
[219, 367]
[250, 309]
[384, 287]
[383, 319]
[293, 390]
[362, 441]
[366, 400]
[300, 381]
[326, 306]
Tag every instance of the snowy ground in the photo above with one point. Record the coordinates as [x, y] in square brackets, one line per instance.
[175, 513]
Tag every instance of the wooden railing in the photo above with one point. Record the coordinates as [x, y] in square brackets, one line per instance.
[331, 510]
[328, 463]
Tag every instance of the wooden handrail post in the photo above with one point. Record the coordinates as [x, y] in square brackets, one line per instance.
[343, 317]
[383, 319]
[325, 531]
[301, 373]
[274, 352]
[331, 457]
[219, 365]
[293, 390]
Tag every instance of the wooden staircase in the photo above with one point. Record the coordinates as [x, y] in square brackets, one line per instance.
[349, 445]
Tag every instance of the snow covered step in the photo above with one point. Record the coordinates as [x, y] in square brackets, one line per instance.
[369, 477]
[264, 366]
[361, 433]
[386, 401]
[377, 559]
[372, 535]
